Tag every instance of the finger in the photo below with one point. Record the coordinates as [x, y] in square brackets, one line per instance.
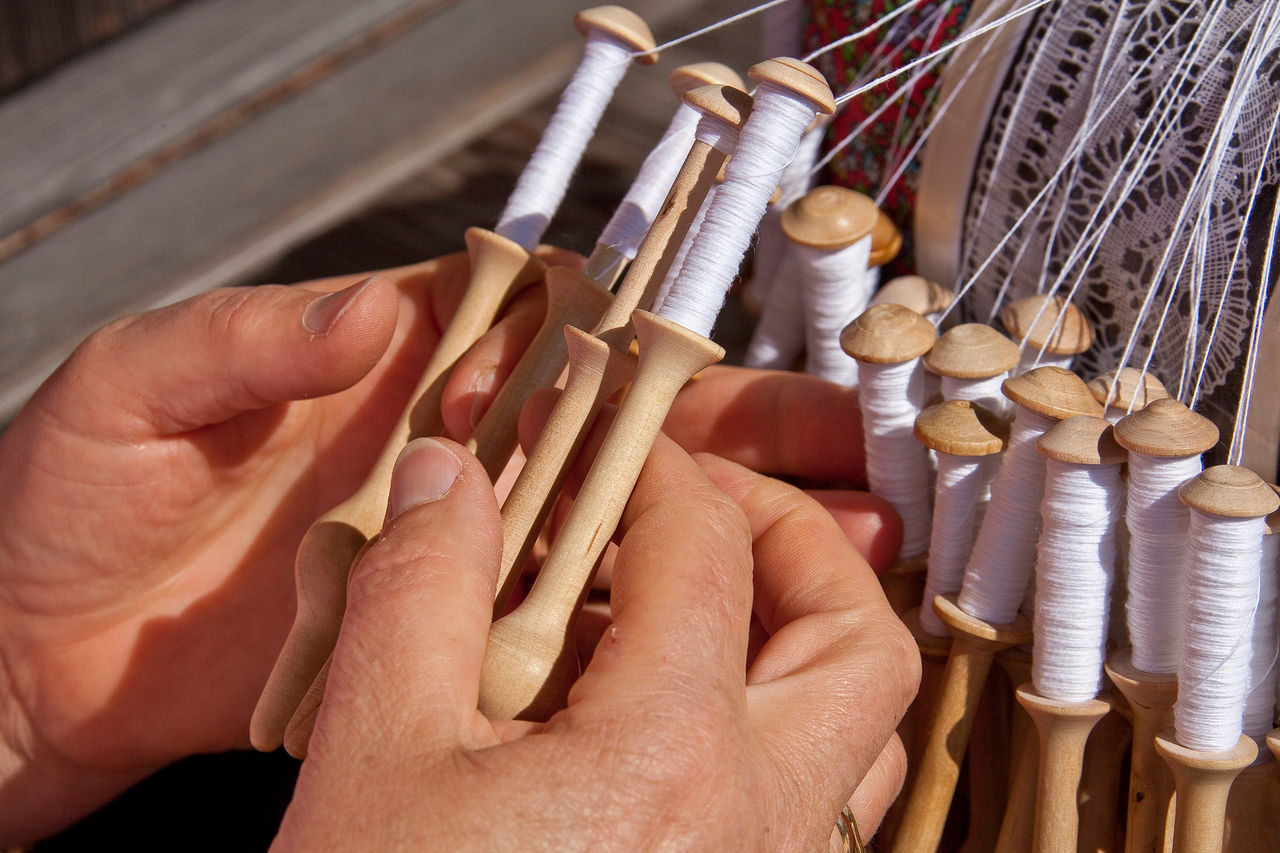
[870, 523]
[217, 355]
[830, 684]
[879, 788]
[406, 666]
[787, 424]
[682, 581]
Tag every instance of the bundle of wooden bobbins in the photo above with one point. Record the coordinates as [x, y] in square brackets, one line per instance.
[1032, 502]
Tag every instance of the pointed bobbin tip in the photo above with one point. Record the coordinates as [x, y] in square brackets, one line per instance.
[1053, 391]
[1166, 428]
[962, 428]
[1230, 491]
[1133, 389]
[829, 218]
[624, 25]
[971, 351]
[800, 77]
[1082, 440]
[915, 292]
[1032, 321]
[888, 334]
[686, 78]
[727, 103]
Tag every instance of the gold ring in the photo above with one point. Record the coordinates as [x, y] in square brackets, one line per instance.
[848, 829]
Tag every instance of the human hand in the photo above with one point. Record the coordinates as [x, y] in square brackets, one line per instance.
[156, 489]
[674, 736]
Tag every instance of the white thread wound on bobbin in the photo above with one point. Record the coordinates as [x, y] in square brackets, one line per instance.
[1157, 523]
[951, 539]
[1259, 706]
[1004, 552]
[639, 207]
[897, 464]
[1075, 566]
[778, 338]
[1221, 594]
[836, 288]
[545, 178]
[984, 391]
[766, 145]
[1032, 358]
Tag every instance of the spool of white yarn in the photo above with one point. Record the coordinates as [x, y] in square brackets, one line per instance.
[973, 360]
[1164, 441]
[613, 36]
[788, 96]
[964, 436]
[778, 338]
[1075, 558]
[888, 341]
[1228, 506]
[1259, 708]
[1000, 567]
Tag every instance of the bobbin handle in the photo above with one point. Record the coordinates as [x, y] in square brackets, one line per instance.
[530, 661]
[1150, 699]
[1202, 781]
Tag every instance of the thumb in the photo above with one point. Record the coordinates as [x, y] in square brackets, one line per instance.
[207, 359]
[407, 663]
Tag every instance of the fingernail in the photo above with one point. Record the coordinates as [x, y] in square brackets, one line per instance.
[480, 393]
[321, 313]
[424, 472]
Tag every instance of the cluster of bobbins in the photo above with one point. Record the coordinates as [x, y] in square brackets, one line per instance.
[1071, 536]
[1017, 476]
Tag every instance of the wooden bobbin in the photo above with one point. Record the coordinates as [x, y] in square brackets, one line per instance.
[574, 300]
[499, 268]
[1047, 323]
[1132, 390]
[1018, 824]
[830, 218]
[974, 645]
[1166, 428]
[971, 351]
[1150, 699]
[1053, 391]
[915, 292]
[1103, 780]
[886, 241]
[799, 77]
[531, 660]
[1253, 807]
[1202, 781]
[606, 262]
[621, 24]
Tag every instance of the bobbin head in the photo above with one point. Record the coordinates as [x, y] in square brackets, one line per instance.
[915, 292]
[888, 334]
[689, 77]
[730, 105]
[1082, 440]
[962, 428]
[1133, 389]
[1230, 491]
[829, 218]
[1052, 391]
[971, 351]
[1033, 321]
[623, 25]
[1166, 428]
[886, 240]
[800, 77]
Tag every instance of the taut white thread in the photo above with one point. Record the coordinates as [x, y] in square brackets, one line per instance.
[1004, 551]
[1221, 596]
[1259, 707]
[630, 222]
[1075, 565]
[837, 287]
[767, 143]
[897, 465]
[954, 525]
[1157, 522]
[545, 178]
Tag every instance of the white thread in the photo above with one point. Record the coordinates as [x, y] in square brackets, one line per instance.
[1259, 706]
[1004, 551]
[897, 465]
[983, 390]
[767, 143]
[630, 222]
[836, 290]
[778, 338]
[545, 178]
[1221, 596]
[954, 525]
[1075, 565]
[1157, 523]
